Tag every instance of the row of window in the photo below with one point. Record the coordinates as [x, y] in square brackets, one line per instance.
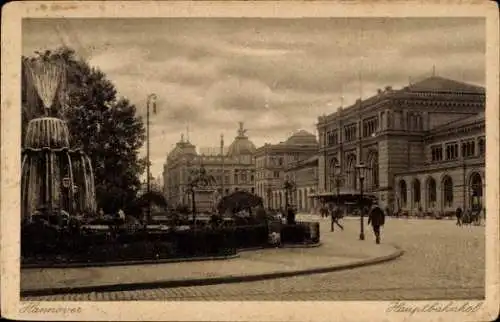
[475, 189]
[370, 126]
[468, 149]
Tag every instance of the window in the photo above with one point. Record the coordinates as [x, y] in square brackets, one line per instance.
[431, 192]
[280, 161]
[468, 149]
[333, 137]
[276, 174]
[402, 193]
[253, 190]
[370, 126]
[452, 151]
[448, 191]
[251, 178]
[236, 178]
[226, 179]
[350, 132]
[416, 192]
[436, 153]
[482, 146]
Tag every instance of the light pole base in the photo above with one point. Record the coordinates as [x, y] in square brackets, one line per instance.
[362, 236]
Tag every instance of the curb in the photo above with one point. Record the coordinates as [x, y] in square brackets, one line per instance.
[210, 281]
[131, 263]
[161, 261]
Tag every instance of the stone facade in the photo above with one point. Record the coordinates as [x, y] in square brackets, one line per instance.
[448, 179]
[305, 176]
[272, 162]
[392, 132]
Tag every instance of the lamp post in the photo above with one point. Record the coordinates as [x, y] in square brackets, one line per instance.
[361, 168]
[288, 186]
[150, 101]
[338, 179]
[269, 194]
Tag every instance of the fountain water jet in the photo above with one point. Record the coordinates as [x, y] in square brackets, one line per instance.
[53, 176]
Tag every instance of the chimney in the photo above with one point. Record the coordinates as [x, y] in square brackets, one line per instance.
[379, 91]
[388, 88]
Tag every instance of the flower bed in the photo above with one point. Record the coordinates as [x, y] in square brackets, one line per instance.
[44, 243]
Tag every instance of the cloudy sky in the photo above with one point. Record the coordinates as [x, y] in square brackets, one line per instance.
[276, 75]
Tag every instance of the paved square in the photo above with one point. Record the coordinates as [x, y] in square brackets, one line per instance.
[441, 261]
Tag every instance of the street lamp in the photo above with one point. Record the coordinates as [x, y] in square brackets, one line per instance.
[150, 101]
[269, 195]
[361, 169]
[288, 186]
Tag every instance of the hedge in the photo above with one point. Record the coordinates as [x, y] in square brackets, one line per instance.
[48, 243]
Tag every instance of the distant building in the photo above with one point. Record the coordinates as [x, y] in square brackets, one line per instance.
[233, 171]
[155, 185]
[424, 146]
[304, 175]
[272, 162]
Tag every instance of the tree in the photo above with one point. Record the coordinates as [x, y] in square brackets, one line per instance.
[106, 128]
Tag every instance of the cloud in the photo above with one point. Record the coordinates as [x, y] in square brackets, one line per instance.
[276, 75]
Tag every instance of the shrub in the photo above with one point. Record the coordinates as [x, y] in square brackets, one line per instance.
[120, 244]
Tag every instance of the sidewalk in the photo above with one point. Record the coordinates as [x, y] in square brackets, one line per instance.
[339, 250]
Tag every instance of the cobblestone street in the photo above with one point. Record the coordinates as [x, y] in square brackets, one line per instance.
[441, 260]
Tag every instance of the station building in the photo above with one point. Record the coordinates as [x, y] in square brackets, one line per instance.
[423, 145]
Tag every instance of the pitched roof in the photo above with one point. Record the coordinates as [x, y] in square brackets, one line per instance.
[440, 84]
[430, 84]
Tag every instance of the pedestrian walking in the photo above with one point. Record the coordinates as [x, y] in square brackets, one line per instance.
[335, 214]
[376, 218]
[458, 214]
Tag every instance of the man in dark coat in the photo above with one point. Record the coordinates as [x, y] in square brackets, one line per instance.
[459, 213]
[376, 218]
[335, 214]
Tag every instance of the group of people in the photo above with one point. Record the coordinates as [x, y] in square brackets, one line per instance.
[469, 217]
[376, 218]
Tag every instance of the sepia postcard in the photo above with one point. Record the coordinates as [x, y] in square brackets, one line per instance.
[250, 161]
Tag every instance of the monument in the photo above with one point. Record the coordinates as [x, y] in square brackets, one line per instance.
[54, 177]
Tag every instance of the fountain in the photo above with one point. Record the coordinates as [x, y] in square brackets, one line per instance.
[54, 177]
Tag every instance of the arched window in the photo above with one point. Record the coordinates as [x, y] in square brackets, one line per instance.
[482, 146]
[333, 172]
[373, 177]
[431, 193]
[447, 192]
[351, 172]
[416, 193]
[476, 191]
[402, 193]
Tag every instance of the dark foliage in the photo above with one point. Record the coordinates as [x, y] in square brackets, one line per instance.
[104, 126]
